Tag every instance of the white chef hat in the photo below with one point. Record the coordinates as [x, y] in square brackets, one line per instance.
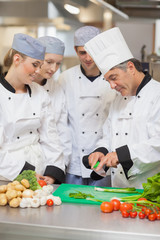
[29, 46]
[84, 34]
[53, 45]
[108, 49]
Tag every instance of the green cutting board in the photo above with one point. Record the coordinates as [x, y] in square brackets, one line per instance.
[64, 189]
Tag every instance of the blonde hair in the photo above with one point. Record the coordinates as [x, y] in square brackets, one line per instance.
[8, 59]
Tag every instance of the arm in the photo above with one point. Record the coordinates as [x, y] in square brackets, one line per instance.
[50, 143]
[59, 104]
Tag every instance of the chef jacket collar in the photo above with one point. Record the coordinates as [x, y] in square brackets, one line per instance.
[44, 81]
[10, 88]
[92, 78]
[145, 80]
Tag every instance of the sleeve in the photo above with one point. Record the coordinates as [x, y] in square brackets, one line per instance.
[146, 154]
[50, 142]
[62, 124]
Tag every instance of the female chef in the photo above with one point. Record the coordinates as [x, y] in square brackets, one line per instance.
[53, 59]
[28, 132]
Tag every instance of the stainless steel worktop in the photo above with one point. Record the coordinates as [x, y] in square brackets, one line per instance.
[73, 222]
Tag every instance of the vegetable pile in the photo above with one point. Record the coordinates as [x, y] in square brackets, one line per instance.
[31, 177]
[145, 205]
[151, 190]
[26, 192]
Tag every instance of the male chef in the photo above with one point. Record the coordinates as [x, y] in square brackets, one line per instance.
[130, 146]
[88, 97]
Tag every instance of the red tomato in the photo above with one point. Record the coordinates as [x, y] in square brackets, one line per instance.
[42, 183]
[50, 202]
[126, 207]
[116, 204]
[106, 207]
[141, 215]
[125, 214]
[152, 217]
[158, 216]
[147, 212]
[133, 214]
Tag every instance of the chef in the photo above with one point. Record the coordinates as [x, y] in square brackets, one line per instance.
[52, 62]
[130, 146]
[27, 128]
[88, 97]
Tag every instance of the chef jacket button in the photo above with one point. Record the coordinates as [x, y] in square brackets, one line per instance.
[83, 132]
[130, 113]
[82, 150]
[126, 133]
[47, 90]
[125, 98]
[18, 137]
[34, 114]
[9, 98]
[30, 132]
[139, 96]
[82, 114]
[97, 114]
[121, 172]
[97, 96]
[95, 132]
[79, 77]
[112, 172]
[116, 133]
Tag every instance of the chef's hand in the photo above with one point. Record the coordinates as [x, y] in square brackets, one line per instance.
[110, 160]
[49, 180]
[94, 157]
[39, 177]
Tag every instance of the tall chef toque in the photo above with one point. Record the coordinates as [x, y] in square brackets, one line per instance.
[29, 46]
[108, 49]
[84, 34]
[53, 45]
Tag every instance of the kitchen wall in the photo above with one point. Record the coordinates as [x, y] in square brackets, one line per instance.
[137, 33]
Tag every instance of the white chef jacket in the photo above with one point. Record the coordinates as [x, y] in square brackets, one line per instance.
[88, 105]
[135, 121]
[58, 103]
[29, 134]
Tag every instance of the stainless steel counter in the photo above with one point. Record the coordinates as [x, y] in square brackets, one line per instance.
[73, 222]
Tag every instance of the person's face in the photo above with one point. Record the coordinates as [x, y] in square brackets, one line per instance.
[123, 81]
[51, 64]
[86, 61]
[27, 68]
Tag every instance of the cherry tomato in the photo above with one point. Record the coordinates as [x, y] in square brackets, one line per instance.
[50, 202]
[133, 214]
[106, 207]
[116, 204]
[126, 207]
[152, 217]
[141, 199]
[143, 209]
[125, 214]
[158, 216]
[42, 183]
[141, 215]
[147, 212]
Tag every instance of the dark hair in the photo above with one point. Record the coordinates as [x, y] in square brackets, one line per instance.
[8, 59]
[136, 63]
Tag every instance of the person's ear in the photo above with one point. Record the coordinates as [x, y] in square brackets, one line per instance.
[75, 48]
[17, 58]
[131, 67]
